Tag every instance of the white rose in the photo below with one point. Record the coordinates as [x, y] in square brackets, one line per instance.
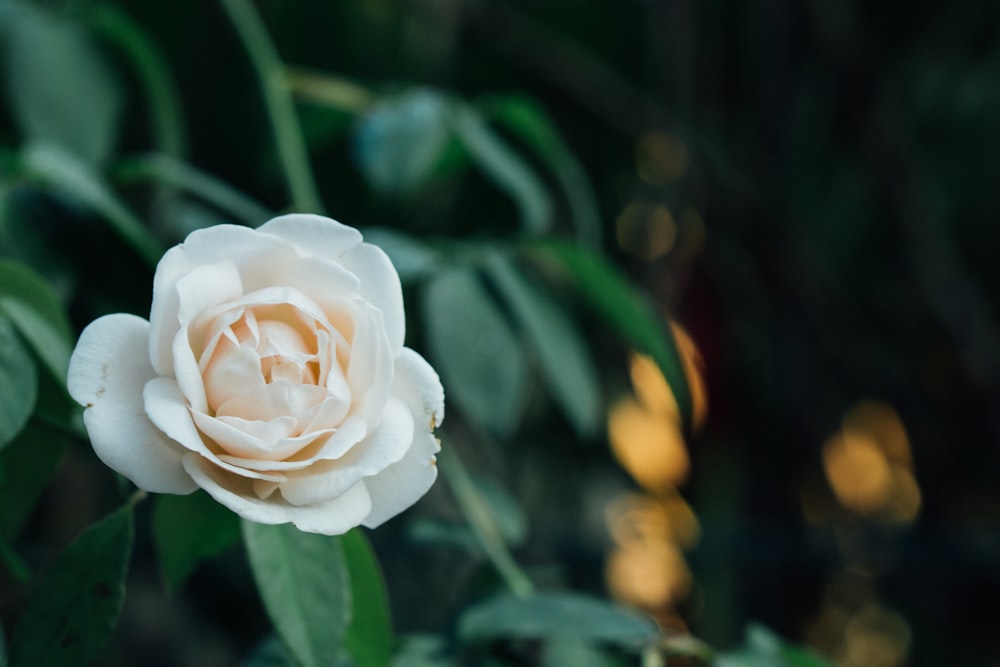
[272, 374]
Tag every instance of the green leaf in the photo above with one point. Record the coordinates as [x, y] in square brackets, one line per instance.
[77, 180]
[562, 354]
[412, 258]
[73, 611]
[506, 168]
[609, 294]
[475, 350]
[369, 637]
[555, 615]
[562, 652]
[26, 466]
[35, 310]
[18, 383]
[764, 648]
[422, 651]
[188, 529]
[59, 87]
[305, 585]
[400, 140]
[528, 121]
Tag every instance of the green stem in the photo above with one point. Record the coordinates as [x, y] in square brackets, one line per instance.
[328, 90]
[152, 70]
[287, 133]
[169, 171]
[477, 513]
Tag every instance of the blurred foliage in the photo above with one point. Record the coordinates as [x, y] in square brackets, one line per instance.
[807, 187]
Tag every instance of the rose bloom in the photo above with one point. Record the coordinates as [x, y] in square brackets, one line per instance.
[272, 374]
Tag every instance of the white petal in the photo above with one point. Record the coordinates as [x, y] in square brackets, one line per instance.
[380, 287]
[254, 254]
[370, 367]
[165, 406]
[107, 372]
[187, 373]
[403, 483]
[381, 449]
[313, 235]
[350, 433]
[205, 288]
[418, 385]
[333, 517]
[263, 441]
[275, 400]
[234, 371]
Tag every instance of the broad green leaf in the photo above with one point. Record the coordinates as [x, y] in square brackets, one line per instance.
[399, 141]
[75, 179]
[152, 70]
[561, 652]
[412, 258]
[306, 589]
[35, 310]
[475, 350]
[26, 466]
[563, 357]
[59, 88]
[369, 637]
[555, 615]
[52, 349]
[188, 529]
[73, 611]
[18, 383]
[168, 170]
[764, 648]
[528, 121]
[609, 294]
[505, 168]
[20, 282]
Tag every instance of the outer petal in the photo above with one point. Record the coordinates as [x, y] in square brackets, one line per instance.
[418, 385]
[403, 483]
[313, 235]
[381, 449]
[333, 517]
[400, 485]
[107, 372]
[380, 287]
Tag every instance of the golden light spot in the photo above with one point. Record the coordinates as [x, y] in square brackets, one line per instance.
[655, 393]
[858, 472]
[875, 637]
[691, 232]
[661, 158]
[649, 576]
[651, 387]
[881, 423]
[646, 230]
[904, 499]
[694, 365]
[638, 519]
[648, 446]
[869, 466]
